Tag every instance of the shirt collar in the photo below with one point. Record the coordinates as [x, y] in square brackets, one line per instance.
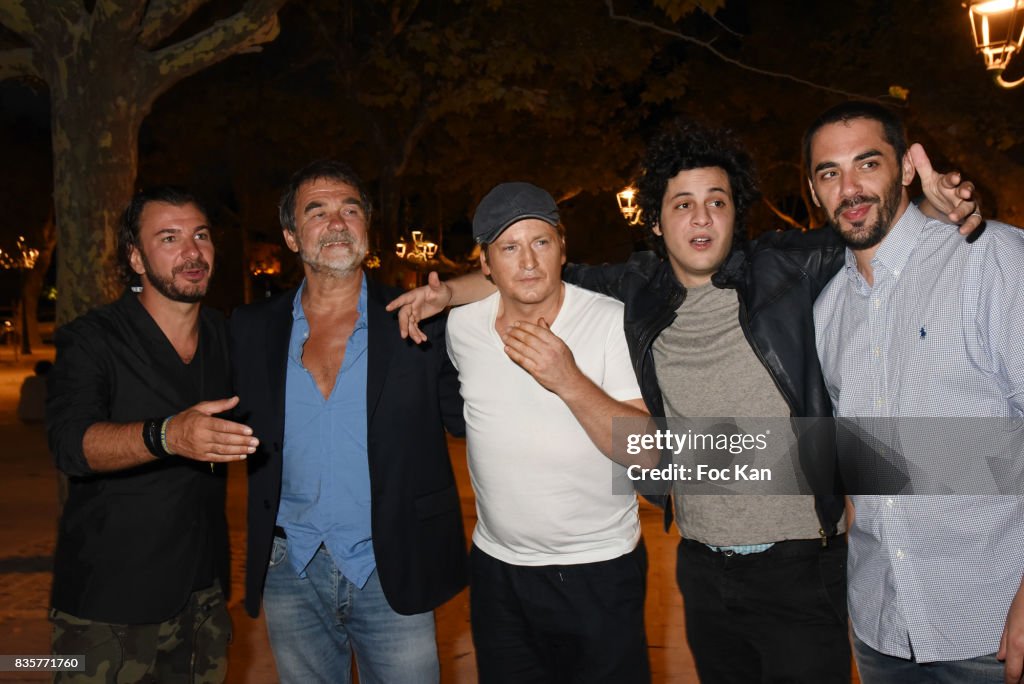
[297, 312]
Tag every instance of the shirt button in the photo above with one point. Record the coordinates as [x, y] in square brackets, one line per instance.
[899, 554]
[877, 303]
[888, 502]
[878, 351]
[879, 401]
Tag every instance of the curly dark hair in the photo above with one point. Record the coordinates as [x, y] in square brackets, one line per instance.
[684, 145]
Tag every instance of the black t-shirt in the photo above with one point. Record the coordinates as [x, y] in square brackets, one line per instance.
[133, 544]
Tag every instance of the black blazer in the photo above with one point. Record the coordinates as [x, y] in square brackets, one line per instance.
[412, 394]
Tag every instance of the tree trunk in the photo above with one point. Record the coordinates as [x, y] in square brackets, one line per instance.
[95, 152]
[105, 63]
[34, 282]
[387, 225]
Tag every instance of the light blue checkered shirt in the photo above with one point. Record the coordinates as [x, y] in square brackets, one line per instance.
[940, 333]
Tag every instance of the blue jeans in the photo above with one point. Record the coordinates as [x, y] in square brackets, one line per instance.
[316, 621]
[879, 668]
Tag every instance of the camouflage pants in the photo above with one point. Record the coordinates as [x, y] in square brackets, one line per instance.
[190, 647]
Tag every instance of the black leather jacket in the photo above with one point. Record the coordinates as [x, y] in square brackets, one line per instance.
[777, 278]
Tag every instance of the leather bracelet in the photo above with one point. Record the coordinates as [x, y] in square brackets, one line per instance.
[151, 437]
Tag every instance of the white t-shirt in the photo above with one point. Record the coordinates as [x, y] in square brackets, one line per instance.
[543, 489]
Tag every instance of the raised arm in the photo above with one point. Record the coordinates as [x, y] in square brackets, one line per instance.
[948, 197]
[605, 279]
[431, 299]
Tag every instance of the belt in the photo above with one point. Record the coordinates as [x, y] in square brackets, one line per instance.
[789, 547]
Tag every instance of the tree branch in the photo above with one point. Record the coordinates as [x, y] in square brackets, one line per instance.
[17, 62]
[244, 31]
[786, 218]
[114, 20]
[568, 195]
[735, 62]
[17, 17]
[400, 18]
[130, 10]
[412, 138]
[721, 25]
[163, 18]
[42, 24]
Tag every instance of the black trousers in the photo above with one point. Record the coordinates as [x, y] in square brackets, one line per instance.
[771, 617]
[560, 623]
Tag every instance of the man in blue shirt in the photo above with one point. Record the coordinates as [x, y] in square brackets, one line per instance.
[921, 324]
[355, 530]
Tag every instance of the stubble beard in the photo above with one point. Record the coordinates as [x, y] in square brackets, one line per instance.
[865, 239]
[189, 294]
[339, 266]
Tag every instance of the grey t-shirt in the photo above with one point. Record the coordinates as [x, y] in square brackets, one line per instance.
[706, 368]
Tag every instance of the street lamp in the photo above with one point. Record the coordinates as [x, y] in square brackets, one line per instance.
[24, 261]
[418, 250]
[998, 29]
[628, 206]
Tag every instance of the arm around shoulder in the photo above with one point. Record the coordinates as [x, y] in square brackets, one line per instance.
[611, 279]
[820, 253]
[428, 300]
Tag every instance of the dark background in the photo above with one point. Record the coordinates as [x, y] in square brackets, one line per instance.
[435, 101]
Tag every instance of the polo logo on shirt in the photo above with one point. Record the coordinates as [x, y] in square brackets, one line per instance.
[923, 332]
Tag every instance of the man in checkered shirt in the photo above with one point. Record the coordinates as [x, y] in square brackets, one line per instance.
[921, 324]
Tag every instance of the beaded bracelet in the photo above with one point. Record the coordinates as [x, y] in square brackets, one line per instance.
[163, 436]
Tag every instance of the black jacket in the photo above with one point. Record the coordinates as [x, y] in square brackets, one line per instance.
[777, 278]
[412, 394]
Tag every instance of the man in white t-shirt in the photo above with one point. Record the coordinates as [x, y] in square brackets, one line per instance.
[558, 570]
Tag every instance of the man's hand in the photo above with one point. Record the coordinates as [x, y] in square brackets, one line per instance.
[1011, 645]
[195, 433]
[546, 357]
[948, 193]
[418, 304]
[542, 354]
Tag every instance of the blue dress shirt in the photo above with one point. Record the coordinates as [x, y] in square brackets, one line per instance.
[325, 485]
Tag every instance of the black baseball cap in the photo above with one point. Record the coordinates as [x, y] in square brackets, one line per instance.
[508, 203]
